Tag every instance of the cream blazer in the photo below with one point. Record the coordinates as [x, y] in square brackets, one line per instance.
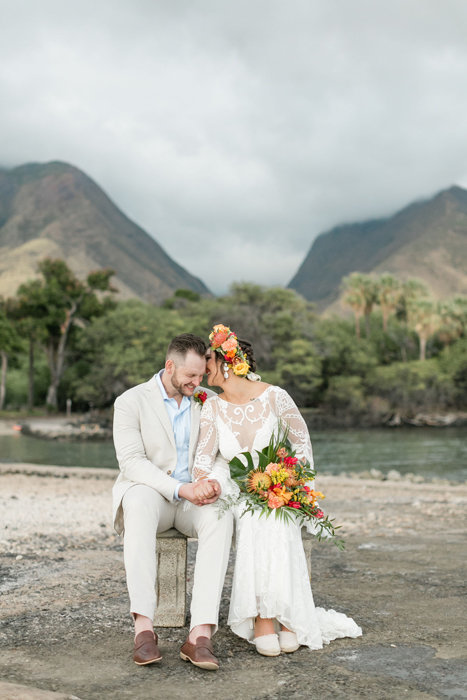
[145, 445]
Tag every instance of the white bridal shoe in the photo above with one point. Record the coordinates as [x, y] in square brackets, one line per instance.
[288, 641]
[268, 645]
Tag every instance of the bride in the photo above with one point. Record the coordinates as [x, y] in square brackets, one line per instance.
[271, 602]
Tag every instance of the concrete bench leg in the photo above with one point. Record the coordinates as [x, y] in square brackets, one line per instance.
[171, 576]
[171, 579]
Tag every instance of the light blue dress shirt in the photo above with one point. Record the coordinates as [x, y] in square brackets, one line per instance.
[180, 417]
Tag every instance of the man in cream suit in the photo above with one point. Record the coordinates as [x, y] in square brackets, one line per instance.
[156, 428]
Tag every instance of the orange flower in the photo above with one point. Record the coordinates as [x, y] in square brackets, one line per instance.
[219, 335]
[258, 481]
[229, 344]
[274, 501]
[313, 495]
[281, 494]
[282, 453]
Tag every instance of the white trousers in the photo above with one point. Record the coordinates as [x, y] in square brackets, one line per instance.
[145, 513]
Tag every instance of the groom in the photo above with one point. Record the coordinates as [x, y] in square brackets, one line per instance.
[156, 428]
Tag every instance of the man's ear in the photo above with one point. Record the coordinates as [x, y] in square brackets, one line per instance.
[169, 366]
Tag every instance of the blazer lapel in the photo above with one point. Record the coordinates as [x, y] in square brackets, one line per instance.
[195, 412]
[159, 408]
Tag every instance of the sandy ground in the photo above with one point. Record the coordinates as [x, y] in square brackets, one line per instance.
[65, 631]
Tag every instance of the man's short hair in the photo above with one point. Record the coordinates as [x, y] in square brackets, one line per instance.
[185, 342]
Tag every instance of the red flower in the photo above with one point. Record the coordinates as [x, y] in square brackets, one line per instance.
[200, 397]
[290, 461]
[319, 514]
[294, 504]
[307, 489]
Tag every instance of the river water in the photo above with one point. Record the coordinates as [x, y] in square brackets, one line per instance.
[430, 452]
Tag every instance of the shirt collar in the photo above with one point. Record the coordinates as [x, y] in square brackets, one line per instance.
[185, 400]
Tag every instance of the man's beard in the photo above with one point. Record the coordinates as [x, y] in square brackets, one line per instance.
[181, 389]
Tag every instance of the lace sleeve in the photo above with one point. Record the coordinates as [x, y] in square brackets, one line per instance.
[299, 435]
[208, 443]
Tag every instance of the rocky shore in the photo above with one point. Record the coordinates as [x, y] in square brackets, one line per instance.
[65, 631]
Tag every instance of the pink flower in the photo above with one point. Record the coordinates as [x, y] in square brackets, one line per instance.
[319, 514]
[230, 344]
[218, 339]
[272, 467]
[294, 504]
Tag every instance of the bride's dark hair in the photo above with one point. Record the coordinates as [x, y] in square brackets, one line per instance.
[248, 352]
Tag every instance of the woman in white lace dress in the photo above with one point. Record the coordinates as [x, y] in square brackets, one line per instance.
[271, 602]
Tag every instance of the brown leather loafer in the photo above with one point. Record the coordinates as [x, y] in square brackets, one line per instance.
[146, 650]
[200, 654]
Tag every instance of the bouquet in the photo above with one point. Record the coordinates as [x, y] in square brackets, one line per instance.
[280, 484]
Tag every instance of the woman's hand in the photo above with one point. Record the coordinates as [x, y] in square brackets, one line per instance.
[201, 492]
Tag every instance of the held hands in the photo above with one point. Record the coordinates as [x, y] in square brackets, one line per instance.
[201, 492]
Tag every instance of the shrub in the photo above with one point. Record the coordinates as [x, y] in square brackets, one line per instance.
[345, 394]
[412, 386]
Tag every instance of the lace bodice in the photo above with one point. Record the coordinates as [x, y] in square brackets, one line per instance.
[228, 429]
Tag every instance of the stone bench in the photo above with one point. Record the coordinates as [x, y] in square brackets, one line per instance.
[171, 576]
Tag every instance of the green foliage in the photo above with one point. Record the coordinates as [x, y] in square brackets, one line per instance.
[453, 364]
[345, 393]
[412, 386]
[334, 342]
[121, 349]
[318, 360]
[9, 340]
[51, 308]
[17, 382]
[188, 294]
[299, 370]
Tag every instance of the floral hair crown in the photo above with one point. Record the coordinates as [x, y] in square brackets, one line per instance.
[225, 343]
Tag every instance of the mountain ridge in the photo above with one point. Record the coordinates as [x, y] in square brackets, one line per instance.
[72, 217]
[426, 239]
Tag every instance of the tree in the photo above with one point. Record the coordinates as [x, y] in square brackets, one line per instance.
[425, 320]
[451, 321]
[360, 293]
[57, 302]
[411, 291]
[29, 311]
[299, 371]
[8, 343]
[122, 349]
[388, 294]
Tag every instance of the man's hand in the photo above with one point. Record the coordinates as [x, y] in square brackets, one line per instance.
[201, 492]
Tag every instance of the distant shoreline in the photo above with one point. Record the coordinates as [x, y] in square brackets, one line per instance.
[83, 428]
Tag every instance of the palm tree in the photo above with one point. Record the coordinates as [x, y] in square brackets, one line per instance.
[453, 315]
[424, 318]
[360, 293]
[353, 296]
[389, 293]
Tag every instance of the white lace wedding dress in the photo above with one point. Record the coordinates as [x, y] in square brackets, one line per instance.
[271, 576]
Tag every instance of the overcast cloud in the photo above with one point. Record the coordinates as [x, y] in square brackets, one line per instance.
[235, 132]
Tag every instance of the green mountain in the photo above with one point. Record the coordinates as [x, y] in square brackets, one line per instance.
[425, 240]
[55, 210]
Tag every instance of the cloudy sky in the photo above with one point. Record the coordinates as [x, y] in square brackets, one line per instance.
[236, 132]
